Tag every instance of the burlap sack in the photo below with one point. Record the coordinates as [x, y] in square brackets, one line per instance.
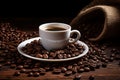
[100, 20]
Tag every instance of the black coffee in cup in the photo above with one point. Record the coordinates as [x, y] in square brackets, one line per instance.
[54, 28]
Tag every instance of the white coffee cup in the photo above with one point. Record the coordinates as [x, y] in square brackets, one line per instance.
[56, 35]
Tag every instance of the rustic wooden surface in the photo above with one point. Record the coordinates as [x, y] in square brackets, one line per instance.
[111, 72]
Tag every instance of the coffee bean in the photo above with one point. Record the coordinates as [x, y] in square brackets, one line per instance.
[63, 69]
[76, 53]
[13, 66]
[0, 65]
[17, 73]
[47, 69]
[30, 74]
[52, 54]
[73, 55]
[80, 63]
[92, 67]
[8, 63]
[86, 69]
[114, 50]
[98, 66]
[77, 77]
[70, 67]
[74, 70]
[26, 66]
[56, 71]
[23, 70]
[2, 60]
[104, 65]
[36, 74]
[111, 59]
[60, 56]
[112, 55]
[39, 56]
[28, 71]
[81, 70]
[64, 56]
[91, 77]
[119, 63]
[45, 56]
[42, 70]
[68, 73]
[20, 67]
[68, 56]
[117, 57]
[35, 70]
[42, 73]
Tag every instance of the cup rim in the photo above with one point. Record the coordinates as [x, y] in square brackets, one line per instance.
[65, 25]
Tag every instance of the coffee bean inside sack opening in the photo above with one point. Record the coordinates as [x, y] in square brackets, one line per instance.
[36, 49]
[91, 26]
[10, 37]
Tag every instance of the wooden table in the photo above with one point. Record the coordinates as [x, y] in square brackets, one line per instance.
[111, 72]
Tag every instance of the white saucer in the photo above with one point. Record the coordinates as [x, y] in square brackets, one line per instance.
[22, 44]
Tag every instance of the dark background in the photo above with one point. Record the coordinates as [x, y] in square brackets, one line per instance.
[32, 13]
[42, 8]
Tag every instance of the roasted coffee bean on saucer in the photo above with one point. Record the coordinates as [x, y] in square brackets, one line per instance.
[71, 50]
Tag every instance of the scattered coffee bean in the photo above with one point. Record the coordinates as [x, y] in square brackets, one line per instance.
[119, 63]
[13, 65]
[20, 67]
[68, 73]
[0, 65]
[17, 73]
[77, 77]
[111, 59]
[70, 67]
[42, 70]
[81, 70]
[42, 73]
[117, 56]
[35, 70]
[9, 56]
[30, 74]
[22, 70]
[63, 69]
[104, 65]
[114, 50]
[86, 69]
[98, 66]
[26, 66]
[36, 74]
[91, 77]
[56, 71]
[28, 71]
[74, 70]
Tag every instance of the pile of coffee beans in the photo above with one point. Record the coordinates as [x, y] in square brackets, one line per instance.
[36, 49]
[91, 30]
[9, 56]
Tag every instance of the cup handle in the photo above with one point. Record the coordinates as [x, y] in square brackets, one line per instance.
[71, 40]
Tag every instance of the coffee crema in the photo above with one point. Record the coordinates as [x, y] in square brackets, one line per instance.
[53, 28]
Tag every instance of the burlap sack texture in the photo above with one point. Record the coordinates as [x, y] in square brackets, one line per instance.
[100, 20]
